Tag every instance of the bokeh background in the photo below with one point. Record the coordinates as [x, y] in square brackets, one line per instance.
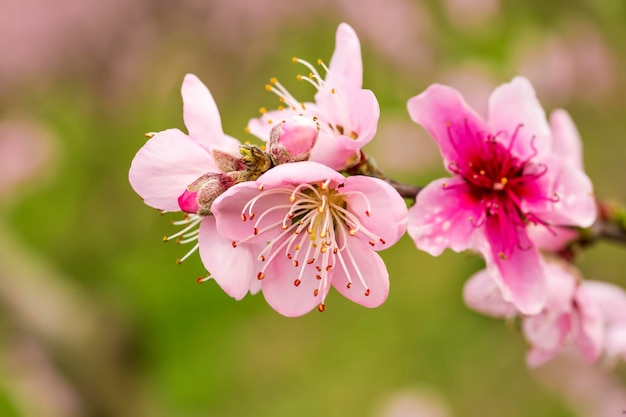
[96, 318]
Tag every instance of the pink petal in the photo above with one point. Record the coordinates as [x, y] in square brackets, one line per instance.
[441, 217]
[444, 114]
[590, 335]
[296, 173]
[356, 111]
[566, 141]
[481, 293]
[371, 268]
[616, 342]
[345, 69]
[262, 126]
[609, 298]
[284, 296]
[228, 209]
[165, 165]
[514, 104]
[387, 211]
[547, 335]
[561, 286]
[234, 269]
[522, 277]
[553, 239]
[201, 115]
[576, 204]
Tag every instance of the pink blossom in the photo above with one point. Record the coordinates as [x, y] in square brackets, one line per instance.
[507, 174]
[570, 314]
[313, 228]
[611, 300]
[166, 169]
[346, 113]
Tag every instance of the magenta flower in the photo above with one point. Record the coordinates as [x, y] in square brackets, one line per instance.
[172, 161]
[570, 313]
[508, 173]
[346, 113]
[312, 228]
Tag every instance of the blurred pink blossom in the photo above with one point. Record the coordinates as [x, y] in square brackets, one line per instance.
[27, 151]
[471, 14]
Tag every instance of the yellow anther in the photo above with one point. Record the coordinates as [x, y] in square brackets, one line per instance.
[294, 59]
[268, 87]
[504, 180]
[299, 77]
[262, 110]
[247, 130]
[332, 91]
[273, 80]
[319, 61]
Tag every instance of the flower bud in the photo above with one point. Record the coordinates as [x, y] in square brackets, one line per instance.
[293, 139]
[200, 194]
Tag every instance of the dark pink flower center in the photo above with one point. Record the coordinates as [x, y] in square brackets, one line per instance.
[501, 182]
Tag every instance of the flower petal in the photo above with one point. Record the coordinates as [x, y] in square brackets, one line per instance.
[378, 207]
[547, 334]
[520, 273]
[165, 166]
[481, 293]
[442, 217]
[202, 117]
[228, 209]
[590, 335]
[513, 105]
[345, 69]
[566, 141]
[444, 114]
[284, 296]
[610, 299]
[360, 260]
[234, 269]
[296, 173]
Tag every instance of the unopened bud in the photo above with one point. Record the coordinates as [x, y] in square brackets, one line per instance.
[293, 139]
[227, 162]
[256, 161]
[200, 194]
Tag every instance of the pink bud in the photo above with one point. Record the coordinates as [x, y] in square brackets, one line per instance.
[293, 139]
[200, 194]
[188, 202]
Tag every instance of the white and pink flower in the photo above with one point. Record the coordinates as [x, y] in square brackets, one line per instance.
[611, 300]
[570, 314]
[509, 172]
[347, 114]
[310, 228]
[172, 171]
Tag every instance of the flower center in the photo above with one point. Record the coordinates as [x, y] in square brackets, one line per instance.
[333, 115]
[315, 226]
[501, 182]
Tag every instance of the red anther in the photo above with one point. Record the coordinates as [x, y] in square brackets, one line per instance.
[382, 241]
[262, 258]
[349, 285]
[296, 263]
[315, 292]
[260, 276]
[256, 231]
[367, 292]
[372, 243]
[321, 308]
[296, 282]
[243, 217]
[200, 280]
[319, 268]
[234, 244]
[318, 277]
[289, 256]
[251, 216]
[310, 261]
[367, 213]
[329, 267]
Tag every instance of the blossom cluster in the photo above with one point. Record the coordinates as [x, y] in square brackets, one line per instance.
[308, 210]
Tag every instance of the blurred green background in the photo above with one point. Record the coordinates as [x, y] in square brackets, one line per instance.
[96, 318]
